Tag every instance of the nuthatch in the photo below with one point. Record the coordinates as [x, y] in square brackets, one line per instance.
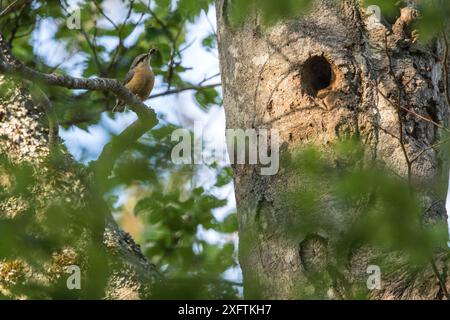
[139, 79]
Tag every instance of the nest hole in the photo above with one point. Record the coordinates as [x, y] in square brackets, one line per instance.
[317, 74]
[313, 253]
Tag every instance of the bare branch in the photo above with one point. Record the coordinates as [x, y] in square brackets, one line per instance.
[175, 91]
[445, 68]
[10, 65]
[99, 8]
[91, 44]
[433, 146]
[442, 283]
[413, 113]
[147, 117]
[119, 32]
[13, 6]
[90, 116]
[397, 108]
[208, 78]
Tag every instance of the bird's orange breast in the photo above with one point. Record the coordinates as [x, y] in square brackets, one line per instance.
[142, 82]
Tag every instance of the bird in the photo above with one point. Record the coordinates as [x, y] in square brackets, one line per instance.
[139, 79]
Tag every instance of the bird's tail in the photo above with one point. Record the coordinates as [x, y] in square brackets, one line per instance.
[119, 107]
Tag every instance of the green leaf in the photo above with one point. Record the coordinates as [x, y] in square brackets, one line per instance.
[210, 42]
[207, 97]
[229, 224]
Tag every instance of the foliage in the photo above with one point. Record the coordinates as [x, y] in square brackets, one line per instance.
[433, 14]
[432, 20]
[372, 207]
[174, 208]
[161, 25]
[171, 206]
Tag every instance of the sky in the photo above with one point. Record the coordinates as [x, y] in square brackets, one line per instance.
[178, 109]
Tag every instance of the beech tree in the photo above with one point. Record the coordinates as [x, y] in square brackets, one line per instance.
[361, 104]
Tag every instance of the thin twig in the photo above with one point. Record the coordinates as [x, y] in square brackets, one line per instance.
[413, 113]
[90, 116]
[445, 67]
[175, 91]
[105, 16]
[120, 30]
[173, 52]
[397, 108]
[442, 283]
[429, 148]
[12, 7]
[208, 78]
[211, 25]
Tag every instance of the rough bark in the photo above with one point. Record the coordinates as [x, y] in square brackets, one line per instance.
[386, 87]
[58, 185]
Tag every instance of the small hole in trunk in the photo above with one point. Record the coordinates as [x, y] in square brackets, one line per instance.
[316, 74]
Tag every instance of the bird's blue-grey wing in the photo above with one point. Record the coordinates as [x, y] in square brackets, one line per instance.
[120, 105]
[128, 77]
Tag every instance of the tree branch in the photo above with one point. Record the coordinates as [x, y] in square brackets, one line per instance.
[120, 45]
[12, 66]
[147, 117]
[179, 90]
[89, 116]
[398, 107]
[100, 9]
[412, 112]
[442, 283]
[13, 6]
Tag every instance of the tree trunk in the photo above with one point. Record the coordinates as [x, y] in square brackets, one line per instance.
[334, 71]
[42, 190]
